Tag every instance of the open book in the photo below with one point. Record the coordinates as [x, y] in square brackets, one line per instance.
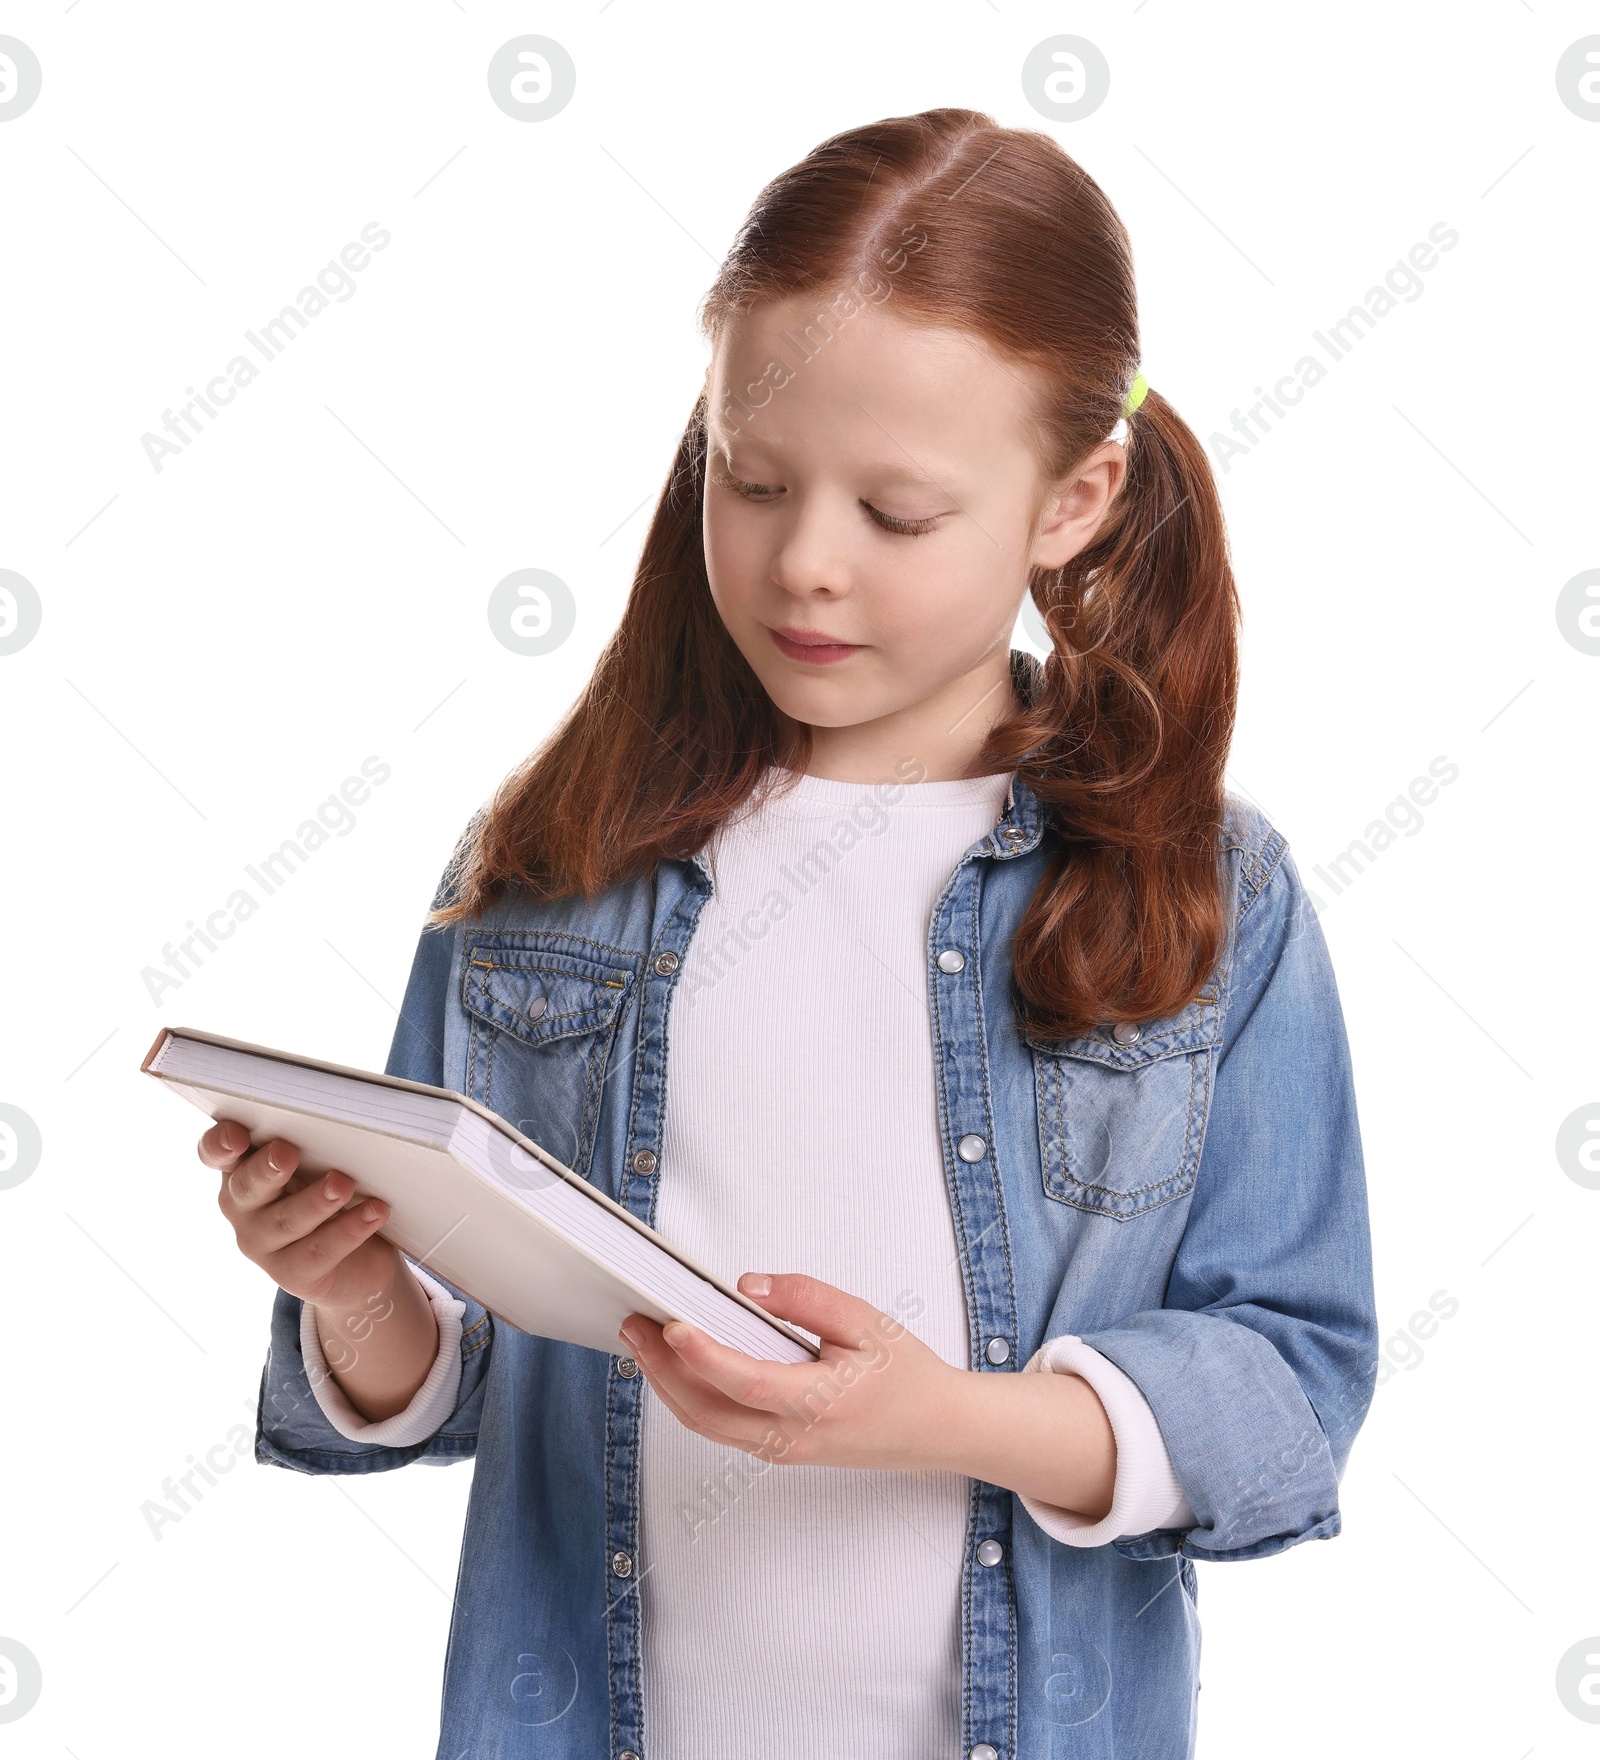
[470, 1197]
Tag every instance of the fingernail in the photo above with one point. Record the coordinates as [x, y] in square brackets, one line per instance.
[677, 1333]
[278, 1158]
[756, 1283]
[627, 1337]
[328, 1187]
[369, 1211]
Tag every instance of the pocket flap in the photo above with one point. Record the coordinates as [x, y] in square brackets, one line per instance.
[1191, 1029]
[540, 986]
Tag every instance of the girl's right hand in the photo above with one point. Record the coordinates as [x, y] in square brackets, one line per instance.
[294, 1226]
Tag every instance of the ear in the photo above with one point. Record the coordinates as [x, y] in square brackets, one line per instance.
[1076, 508]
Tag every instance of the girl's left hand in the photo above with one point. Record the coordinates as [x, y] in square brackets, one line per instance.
[878, 1396]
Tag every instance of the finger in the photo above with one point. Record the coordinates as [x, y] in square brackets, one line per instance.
[671, 1375]
[260, 1178]
[751, 1383]
[315, 1254]
[269, 1228]
[691, 1401]
[223, 1144]
[823, 1308]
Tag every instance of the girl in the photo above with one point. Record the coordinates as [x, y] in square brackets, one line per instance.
[1005, 1056]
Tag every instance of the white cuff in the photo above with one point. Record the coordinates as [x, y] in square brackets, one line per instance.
[1146, 1494]
[432, 1403]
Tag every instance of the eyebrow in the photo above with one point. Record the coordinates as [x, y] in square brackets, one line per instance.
[898, 474]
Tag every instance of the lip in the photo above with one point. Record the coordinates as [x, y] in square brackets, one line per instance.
[813, 647]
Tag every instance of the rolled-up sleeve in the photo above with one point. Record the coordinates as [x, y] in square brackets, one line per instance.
[431, 1405]
[1145, 1492]
[1260, 1364]
[294, 1428]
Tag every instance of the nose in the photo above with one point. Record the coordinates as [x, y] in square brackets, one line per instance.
[810, 558]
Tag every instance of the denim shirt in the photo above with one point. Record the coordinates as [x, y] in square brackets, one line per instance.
[1188, 1198]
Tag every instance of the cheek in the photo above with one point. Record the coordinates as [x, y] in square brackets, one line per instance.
[735, 556]
[963, 600]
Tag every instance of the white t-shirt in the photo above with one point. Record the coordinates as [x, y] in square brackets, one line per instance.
[793, 1610]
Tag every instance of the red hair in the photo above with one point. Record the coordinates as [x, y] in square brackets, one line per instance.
[1126, 734]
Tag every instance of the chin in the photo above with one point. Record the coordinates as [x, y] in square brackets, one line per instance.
[840, 706]
[817, 708]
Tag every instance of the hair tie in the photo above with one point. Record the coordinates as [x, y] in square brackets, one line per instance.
[1130, 403]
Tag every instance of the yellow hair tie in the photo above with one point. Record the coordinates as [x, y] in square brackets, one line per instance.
[1135, 395]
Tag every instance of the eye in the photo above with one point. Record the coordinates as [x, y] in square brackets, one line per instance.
[908, 528]
[750, 491]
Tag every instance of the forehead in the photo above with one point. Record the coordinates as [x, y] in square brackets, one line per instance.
[844, 374]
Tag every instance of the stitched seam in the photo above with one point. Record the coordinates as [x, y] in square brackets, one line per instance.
[1261, 875]
[952, 1180]
[454, 1443]
[538, 1024]
[983, 1078]
[553, 972]
[1060, 1165]
[1048, 1049]
[1118, 1215]
[1087, 1185]
[1188, 1130]
[509, 939]
[646, 1031]
[549, 1020]
[611, 1605]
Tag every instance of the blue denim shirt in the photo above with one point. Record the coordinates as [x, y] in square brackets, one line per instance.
[1189, 1201]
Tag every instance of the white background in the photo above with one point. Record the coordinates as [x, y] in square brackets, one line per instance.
[223, 642]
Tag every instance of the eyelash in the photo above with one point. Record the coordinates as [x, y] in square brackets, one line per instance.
[906, 528]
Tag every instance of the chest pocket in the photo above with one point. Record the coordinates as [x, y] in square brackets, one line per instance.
[544, 1009]
[1120, 1124]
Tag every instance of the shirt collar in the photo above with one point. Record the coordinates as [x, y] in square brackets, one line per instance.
[1021, 825]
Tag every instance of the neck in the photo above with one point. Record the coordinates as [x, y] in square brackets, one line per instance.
[943, 733]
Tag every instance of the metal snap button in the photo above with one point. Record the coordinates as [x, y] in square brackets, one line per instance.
[645, 1161]
[666, 963]
[627, 1368]
[1126, 1032]
[952, 960]
[997, 1350]
[1013, 834]
[990, 1552]
[627, 1754]
[982, 1751]
[621, 1564]
[537, 1007]
[972, 1147]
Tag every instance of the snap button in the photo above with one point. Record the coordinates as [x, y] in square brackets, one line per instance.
[982, 1751]
[627, 1368]
[1013, 834]
[627, 1754]
[971, 1147]
[621, 1564]
[990, 1552]
[645, 1161]
[666, 963]
[952, 960]
[537, 1007]
[1126, 1032]
[997, 1350]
